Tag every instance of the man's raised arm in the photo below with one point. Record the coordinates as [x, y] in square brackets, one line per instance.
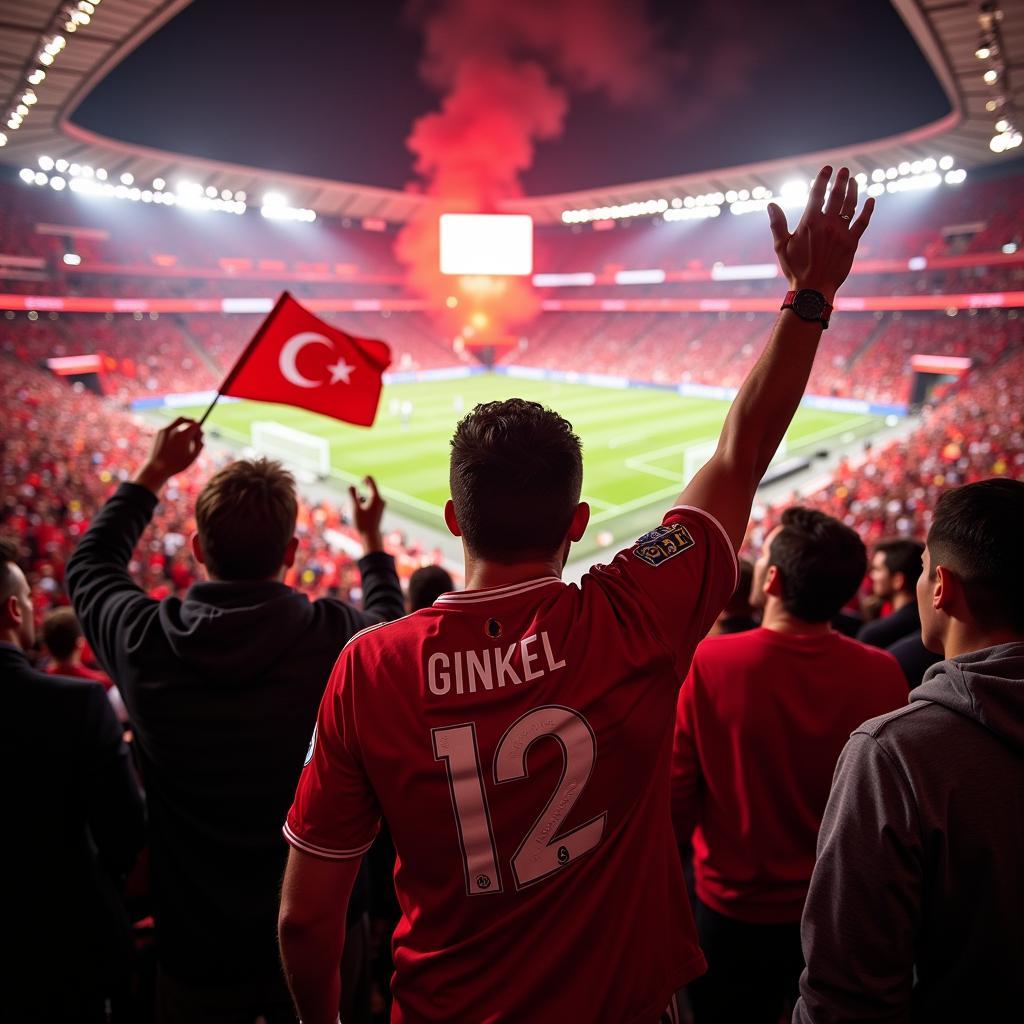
[817, 256]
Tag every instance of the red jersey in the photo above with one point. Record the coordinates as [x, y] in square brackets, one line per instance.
[518, 740]
[761, 721]
[79, 671]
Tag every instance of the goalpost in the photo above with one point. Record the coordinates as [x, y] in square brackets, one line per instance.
[306, 453]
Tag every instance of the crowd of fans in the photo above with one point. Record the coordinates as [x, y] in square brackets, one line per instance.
[63, 450]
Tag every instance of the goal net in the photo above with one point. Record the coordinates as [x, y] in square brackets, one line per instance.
[306, 453]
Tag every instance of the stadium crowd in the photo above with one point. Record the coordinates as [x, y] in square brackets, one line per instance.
[836, 878]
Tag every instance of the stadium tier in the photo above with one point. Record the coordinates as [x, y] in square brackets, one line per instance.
[956, 244]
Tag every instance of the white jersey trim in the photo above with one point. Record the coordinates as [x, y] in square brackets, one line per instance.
[496, 593]
[368, 629]
[322, 851]
[721, 530]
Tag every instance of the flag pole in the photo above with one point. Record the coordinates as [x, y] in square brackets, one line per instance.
[248, 351]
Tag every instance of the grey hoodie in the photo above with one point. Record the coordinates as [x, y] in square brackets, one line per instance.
[916, 906]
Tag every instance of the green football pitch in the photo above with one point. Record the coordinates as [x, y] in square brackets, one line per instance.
[633, 441]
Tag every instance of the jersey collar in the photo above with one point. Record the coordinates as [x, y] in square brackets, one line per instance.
[464, 597]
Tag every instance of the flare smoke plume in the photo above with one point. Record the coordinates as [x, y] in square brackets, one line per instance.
[505, 70]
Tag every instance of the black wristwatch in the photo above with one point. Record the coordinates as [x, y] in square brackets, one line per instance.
[809, 305]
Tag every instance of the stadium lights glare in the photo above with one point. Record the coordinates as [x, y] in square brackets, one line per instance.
[46, 163]
[159, 184]
[693, 213]
[57, 183]
[1002, 125]
[127, 178]
[3, 139]
[36, 76]
[72, 259]
[296, 213]
[1009, 248]
[946, 163]
[991, 76]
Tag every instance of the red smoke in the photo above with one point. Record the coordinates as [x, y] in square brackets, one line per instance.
[505, 69]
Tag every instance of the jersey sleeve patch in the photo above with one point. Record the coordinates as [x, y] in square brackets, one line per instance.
[661, 544]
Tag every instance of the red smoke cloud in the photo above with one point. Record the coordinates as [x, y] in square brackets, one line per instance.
[505, 69]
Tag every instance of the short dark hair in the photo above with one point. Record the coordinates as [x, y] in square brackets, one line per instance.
[822, 563]
[9, 552]
[60, 633]
[427, 584]
[903, 555]
[516, 474]
[976, 533]
[245, 516]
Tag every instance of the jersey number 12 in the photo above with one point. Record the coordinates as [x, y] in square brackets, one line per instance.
[542, 851]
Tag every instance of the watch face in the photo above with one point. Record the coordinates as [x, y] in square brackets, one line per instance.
[809, 304]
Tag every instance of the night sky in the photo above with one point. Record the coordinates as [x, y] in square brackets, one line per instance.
[331, 89]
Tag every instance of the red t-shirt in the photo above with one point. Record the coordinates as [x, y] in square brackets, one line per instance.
[517, 740]
[761, 720]
[79, 671]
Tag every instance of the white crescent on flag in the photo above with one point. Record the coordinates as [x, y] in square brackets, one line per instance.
[290, 353]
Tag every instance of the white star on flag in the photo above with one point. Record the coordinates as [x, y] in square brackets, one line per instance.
[340, 371]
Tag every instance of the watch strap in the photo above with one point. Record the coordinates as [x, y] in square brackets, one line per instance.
[826, 312]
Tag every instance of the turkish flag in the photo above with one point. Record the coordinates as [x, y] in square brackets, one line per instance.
[297, 359]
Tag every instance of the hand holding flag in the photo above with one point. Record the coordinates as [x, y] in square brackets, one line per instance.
[297, 359]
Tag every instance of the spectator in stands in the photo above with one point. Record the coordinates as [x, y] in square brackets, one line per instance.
[77, 819]
[761, 719]
[222, 689]
[895, 568]
[914, 911]
[738, 615]
[478, 939]
[63, 640]
[427, 584]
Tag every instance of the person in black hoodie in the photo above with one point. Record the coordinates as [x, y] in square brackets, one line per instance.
[222, 690]
[916, 904]
[76, 824]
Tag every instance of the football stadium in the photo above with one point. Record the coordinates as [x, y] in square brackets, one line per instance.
[271, 280]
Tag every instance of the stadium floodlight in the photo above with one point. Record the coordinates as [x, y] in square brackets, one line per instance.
[61, 165]
[45, 58]
[40, 178]
[27, 175]
[72, 259]
[945, 163]
[159, 184]
[1009, 248]
[29, 97]
[127, 178]
[101, 174]
[3, 139]
[487, 244]
[274, 199]
[956, 177]
[36, 76]
[57, 183]
[211, 191]
[46, 163]
[991, 76]
[1002, 125]
[794, 191]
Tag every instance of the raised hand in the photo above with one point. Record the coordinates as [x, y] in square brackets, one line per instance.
[819, 253]
[367, 512]
[175, 448]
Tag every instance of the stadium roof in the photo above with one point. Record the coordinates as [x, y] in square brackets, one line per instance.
[948, 34]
